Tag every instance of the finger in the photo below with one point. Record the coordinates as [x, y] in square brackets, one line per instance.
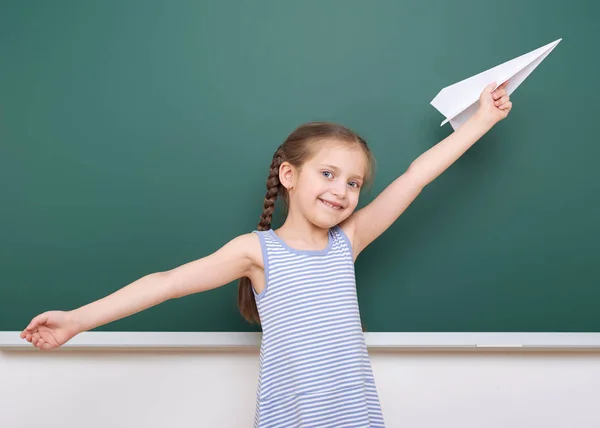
[502, 86]
[40, 319]
[502, 100]
[46, 346]
[35, 338]
[490, 88]
[498, 93]
[28, 337]
[506, 106]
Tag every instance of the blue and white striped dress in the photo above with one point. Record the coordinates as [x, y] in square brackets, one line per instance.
[314, 366]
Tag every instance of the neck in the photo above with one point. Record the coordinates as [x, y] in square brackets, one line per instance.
[299, 231]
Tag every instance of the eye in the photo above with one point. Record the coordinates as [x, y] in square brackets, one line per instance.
[354, 184]
[327, 172]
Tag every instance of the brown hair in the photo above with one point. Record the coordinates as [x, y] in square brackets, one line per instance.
[296, 149]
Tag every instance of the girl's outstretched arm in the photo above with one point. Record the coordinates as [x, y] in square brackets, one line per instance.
[367, 224]
[238, 258]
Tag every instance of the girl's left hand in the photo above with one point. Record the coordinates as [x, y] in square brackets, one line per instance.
[494, 103]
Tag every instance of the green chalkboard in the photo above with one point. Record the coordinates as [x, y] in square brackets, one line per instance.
[136, 136]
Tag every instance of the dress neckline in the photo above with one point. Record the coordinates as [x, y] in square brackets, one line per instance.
[296, 251]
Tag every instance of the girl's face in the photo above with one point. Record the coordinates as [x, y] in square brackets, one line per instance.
[326, 189]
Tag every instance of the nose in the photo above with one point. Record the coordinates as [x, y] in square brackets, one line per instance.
[339, 189]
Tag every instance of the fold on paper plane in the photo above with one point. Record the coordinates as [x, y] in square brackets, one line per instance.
[460, 101]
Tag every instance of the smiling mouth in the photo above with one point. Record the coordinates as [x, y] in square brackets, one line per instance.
[331, 205]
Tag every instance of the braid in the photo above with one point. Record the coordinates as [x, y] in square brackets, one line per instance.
[246, 300]
[273, 186]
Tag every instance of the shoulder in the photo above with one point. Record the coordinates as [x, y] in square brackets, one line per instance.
[248, 244]
[243, 250]
[347, 229]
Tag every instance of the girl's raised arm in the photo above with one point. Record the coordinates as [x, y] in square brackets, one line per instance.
[367, 224]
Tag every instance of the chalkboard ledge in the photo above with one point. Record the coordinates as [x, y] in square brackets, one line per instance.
[96, 340]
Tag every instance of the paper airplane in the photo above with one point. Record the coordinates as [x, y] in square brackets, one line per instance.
[460, 101]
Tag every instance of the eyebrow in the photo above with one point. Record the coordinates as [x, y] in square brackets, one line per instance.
[336, 170]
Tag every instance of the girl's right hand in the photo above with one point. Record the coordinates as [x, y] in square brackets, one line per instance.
[50, 330]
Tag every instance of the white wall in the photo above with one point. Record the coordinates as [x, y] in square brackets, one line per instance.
[101, 389]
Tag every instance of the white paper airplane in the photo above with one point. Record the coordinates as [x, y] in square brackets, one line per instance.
[460, 101]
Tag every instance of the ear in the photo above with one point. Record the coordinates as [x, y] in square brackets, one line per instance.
[287, 175]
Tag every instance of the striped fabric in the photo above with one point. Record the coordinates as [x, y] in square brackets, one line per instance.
[314, 366]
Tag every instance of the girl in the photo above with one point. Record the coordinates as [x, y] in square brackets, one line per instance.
[298, 281]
